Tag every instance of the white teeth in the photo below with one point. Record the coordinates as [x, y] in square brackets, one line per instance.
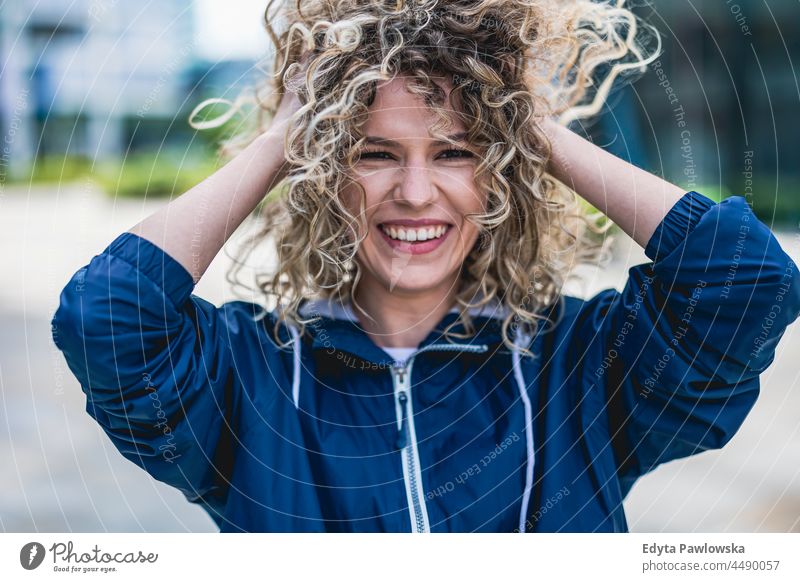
[414, 234]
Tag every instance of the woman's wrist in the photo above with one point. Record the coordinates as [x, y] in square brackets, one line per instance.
[557, 164]
[270, 145]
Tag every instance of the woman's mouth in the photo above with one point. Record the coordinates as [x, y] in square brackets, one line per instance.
[414, 234]
[414, 239]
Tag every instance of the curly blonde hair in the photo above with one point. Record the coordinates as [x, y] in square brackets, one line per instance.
[510, 62]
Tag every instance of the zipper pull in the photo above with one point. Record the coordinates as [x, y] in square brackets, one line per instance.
[402, 439]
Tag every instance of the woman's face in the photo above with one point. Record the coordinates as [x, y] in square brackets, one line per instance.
[418, 192]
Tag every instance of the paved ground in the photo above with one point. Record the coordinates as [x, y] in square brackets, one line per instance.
[62, 474]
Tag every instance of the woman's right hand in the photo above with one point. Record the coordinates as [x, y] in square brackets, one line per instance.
[289, 103]
[288, 106]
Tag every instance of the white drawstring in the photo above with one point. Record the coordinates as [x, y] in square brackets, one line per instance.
[523, 392]
[296, 376]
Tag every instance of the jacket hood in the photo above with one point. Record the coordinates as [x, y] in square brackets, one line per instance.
[337, 327]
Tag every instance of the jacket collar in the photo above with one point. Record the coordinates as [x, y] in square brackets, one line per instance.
[338, 329]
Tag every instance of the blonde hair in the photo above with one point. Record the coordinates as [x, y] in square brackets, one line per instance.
[511, 63]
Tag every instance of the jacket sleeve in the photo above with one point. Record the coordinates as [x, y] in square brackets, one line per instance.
[682, 346]
[154, 363]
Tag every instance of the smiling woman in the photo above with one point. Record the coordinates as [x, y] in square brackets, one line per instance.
[436, 122]
[422, 369]
[419, 197]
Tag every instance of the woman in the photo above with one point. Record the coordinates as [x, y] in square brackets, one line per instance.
[421, 369]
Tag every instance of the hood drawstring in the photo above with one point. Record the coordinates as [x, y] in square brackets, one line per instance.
[296, 375]
[522, 339]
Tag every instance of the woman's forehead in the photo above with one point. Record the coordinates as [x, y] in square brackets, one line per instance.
[394, 93]
[397, 110]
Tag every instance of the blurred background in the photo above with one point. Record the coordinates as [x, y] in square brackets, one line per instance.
[94, 101]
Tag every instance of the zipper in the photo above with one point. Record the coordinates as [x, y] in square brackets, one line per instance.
[402, 436]
[406, 434]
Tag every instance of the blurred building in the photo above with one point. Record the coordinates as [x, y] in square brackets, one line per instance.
[728, 73]
[78, 77]
[716, 112]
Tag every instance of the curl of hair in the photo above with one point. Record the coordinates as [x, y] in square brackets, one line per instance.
[511, 63]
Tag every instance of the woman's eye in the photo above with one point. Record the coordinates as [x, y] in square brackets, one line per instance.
[457, 154]
[374, 155]
[446, 154]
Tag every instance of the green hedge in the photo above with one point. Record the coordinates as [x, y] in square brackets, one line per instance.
[137, 176]
[144, 175]
[777, 203]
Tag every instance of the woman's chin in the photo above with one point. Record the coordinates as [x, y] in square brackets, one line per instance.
[414, 281]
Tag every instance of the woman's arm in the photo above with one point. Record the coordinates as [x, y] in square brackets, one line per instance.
[155, 361]
[671, 364]
[636, 200]
[194, 227]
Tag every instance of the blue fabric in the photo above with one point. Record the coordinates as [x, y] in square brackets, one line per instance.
[201, 396]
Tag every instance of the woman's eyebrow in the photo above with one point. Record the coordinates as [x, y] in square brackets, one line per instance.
[375, 139]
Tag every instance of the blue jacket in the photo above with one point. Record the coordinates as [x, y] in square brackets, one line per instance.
[330, 434]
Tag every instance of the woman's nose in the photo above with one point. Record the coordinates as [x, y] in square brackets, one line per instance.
[416, 187]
